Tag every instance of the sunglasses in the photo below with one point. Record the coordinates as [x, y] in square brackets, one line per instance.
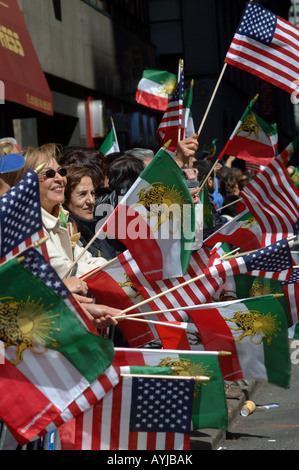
[51, 173]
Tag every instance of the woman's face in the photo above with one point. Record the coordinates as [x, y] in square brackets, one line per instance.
[51, 189]
[82, 200]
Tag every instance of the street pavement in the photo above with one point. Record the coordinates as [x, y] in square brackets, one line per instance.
[273, 428]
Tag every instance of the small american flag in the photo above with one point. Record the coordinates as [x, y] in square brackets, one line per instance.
[139, 414]
[172, 119]
[274, 261]
[20, 217]
[267, 46]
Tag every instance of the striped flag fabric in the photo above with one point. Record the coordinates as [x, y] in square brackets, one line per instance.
[267, 46]
[273, 200]
[171, 122]
[53, 357]
[123, 285]
[273, 261]
[140, 413]
[20, 217]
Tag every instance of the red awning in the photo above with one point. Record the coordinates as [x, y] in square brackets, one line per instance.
[21, 73]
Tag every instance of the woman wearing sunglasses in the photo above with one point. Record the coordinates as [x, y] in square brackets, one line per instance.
[62, 252]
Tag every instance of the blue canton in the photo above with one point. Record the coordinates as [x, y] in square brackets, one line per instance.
[161, 405]
[178, 92]
[35, 263]
[273, 258]
[20, 213]
[258, 23]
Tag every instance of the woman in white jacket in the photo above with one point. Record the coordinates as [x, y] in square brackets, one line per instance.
[62, 250]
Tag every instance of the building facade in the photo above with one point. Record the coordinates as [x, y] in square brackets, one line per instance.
[93, 53]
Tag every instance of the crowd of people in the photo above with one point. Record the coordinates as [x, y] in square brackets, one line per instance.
[75, 181]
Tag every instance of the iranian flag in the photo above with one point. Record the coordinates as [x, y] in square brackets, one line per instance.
[51, 354]
[155, 220]
[209, 405]
[255, 331]
[242, 231]
[155, 88]
[253, 139]
[112, 286]
[110, 144]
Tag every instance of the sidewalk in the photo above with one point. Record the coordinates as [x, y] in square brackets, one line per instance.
[210, 439]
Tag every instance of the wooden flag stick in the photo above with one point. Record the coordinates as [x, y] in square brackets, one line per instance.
[34, 245]
[128, 317]
[201, 378]
[146, 301]
[230, 204]
[177, 309]
[181, 66]
[212, 98]
[183, 284]
[91, 273]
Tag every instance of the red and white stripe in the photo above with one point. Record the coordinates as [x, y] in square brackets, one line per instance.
[274, 201]
[42, 249]
[276, 63]
[106, 426]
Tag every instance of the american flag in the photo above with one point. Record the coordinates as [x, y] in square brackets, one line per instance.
[139, 414]
[20, 217]
[171, 121]
[34, 262]
[273, 200]
[267, 46]
[274, 261]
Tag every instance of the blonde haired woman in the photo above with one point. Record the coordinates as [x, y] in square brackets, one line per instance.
[62, 252]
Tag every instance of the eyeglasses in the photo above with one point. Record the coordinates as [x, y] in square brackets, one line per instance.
[51, 173]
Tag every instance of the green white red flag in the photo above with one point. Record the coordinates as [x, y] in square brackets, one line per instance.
[253, 330]
[52, 356]
[110, 144]
[242, 231]
[253, 139]
[155, 219]
[155, 88]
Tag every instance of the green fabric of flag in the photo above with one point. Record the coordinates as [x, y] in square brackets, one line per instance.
[33, 316]
[110, 144]
[207, 209]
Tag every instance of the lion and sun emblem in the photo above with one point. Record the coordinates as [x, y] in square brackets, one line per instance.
[27, 325]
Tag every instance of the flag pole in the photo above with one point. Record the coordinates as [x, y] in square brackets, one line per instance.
[181, 66]
[193, 307]
[222, 153]
[212, 99]
[201, 378]
[230, 204]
